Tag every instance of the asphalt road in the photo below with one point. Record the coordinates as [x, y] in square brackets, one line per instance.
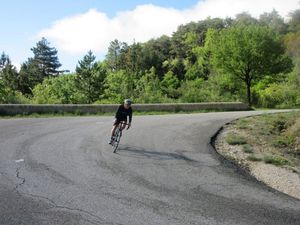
[166, 172]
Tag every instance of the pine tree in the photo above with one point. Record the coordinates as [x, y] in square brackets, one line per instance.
[8, 72]
[44, 64]
[46, 58]
[90, 77]
[30, 75]
[4, 60]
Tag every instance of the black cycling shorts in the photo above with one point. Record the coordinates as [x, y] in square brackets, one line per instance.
[119, 120]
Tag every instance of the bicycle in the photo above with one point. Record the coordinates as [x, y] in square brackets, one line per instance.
[117, 136]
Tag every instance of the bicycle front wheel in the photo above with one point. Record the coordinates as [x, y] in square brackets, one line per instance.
[118, 135]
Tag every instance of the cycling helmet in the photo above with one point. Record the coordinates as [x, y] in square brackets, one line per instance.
[127, 102]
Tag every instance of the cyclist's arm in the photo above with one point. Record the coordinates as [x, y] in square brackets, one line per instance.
[130, 115]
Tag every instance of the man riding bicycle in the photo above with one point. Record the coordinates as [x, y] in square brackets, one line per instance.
[123, 112]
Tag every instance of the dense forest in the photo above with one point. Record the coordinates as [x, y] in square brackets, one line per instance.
[253, 60]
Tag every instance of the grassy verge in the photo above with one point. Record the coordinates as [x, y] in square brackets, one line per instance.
[271, 138]
[136, 113]
[234, 139]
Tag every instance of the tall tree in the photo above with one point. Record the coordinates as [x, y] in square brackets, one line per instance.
[274, 21]
[197, 61]
[90, 77]
[155, 52]
[44, 64]
[115, 55]
[29, 76]
[148, 88]
[186, 43]
[134, 58]
[169, 85]
[244, 18]
[8, 73]
[10, 76]
[4, 60]
[249, 53]
[46, 58]
[294, 23]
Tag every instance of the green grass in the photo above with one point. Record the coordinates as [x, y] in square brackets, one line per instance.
[284, 141]
[247, 148]
[234, 139]
[254, 158]
[276, 160]
[243, 124]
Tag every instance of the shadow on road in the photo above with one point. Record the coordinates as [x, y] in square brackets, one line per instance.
[138, 152]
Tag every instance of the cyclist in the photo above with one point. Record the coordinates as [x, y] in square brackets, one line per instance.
[123, 112]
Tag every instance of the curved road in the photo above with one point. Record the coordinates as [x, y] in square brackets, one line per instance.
[166, 172]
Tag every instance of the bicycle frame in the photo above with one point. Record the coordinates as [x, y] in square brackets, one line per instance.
[117, 136]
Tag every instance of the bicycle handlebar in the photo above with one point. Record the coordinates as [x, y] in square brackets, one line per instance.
[124, 123]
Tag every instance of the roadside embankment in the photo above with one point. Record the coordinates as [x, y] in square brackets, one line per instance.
[268, 147]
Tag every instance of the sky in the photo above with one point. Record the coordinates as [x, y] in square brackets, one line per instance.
[74, 27]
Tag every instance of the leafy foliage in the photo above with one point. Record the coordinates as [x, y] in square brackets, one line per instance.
[58, 90]
[294, 23]
[249, 53]
[8, 72]
[274, 21]
[118, 86]
[148, 88]
[242, 59]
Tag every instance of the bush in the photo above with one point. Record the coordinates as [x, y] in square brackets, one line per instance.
[192, 91]
[280, 96]
[58, 90]
[8, 96]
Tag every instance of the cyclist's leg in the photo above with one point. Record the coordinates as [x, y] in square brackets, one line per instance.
[115, 125]
[123, 124]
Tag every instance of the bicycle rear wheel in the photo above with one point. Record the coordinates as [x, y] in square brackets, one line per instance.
[117, 139]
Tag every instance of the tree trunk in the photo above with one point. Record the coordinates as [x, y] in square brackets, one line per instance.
[248, 83]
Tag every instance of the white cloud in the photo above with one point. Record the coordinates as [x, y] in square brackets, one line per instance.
[94, 30]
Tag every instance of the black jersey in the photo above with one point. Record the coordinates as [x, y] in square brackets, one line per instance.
[122, 113]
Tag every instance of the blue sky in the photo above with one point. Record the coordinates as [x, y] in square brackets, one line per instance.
[76, 26]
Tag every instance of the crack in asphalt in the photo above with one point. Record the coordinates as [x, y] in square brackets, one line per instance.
[53, 204]
[19, 178]
[98, 220]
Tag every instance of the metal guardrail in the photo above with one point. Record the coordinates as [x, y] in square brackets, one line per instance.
[14, 109]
